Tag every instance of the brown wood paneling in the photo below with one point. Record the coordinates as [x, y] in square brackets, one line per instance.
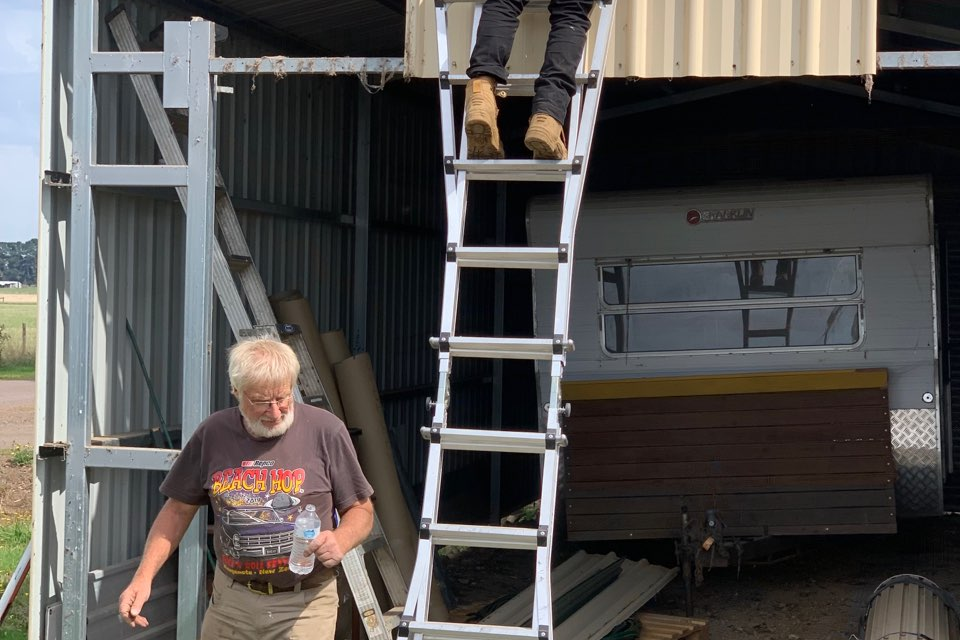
[745, 532]
[803, 461]
[729, 469]
[686, 486]
[728, 435]
[737, 501]
[745, 417]
[732, 402]
[749, 518]
[730, 452]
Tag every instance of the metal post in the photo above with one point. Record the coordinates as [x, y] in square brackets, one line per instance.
[361, 229]
[76, 556]
[197, 305]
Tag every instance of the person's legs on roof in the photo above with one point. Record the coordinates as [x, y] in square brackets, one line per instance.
[495, 34]
[569, 22]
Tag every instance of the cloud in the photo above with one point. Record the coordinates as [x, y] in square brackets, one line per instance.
[20, 209]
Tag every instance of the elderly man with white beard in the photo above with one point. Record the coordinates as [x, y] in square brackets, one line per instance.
[258, 465]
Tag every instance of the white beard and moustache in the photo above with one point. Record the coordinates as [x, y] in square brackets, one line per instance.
[257, 429]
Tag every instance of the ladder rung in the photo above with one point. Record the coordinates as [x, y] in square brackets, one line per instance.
[391, 618]
[239, 263]
[517, 170]
[372, 543]
[507, 348]
[486, 440]
[471, 535]
[456, 630]
[516, 79]
[519, 84]
[533, 4]
[509, 257]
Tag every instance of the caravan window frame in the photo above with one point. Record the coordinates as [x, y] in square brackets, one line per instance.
[772, 298]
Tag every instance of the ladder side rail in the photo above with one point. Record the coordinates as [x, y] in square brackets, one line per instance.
[390, 572]
[230, 300]
[371, 616]
[543, 598]
[594, 74]
[236, 244]
[454, 185]
[573, 189]
[574, 133]
[599, 62]
[416, 607]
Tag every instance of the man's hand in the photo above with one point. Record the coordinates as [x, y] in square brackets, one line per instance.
[131, 603]
[164, 536]
[327, 549]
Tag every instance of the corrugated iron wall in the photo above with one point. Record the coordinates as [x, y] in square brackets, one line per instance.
[677, 38]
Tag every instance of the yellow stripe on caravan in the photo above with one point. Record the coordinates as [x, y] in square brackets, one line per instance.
[726, 384]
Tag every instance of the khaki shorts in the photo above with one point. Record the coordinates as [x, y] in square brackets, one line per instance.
[238, 613]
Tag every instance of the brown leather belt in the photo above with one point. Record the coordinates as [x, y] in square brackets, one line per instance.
[312, 581]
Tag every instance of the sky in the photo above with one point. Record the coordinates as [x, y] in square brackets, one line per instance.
[20, 31]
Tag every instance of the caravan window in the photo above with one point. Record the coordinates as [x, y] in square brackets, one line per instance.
[787, 302]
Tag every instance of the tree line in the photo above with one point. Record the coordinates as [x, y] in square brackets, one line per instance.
[18, 261]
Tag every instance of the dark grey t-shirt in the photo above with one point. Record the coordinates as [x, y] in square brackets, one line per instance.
[257, 487]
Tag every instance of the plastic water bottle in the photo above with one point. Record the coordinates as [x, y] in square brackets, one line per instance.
[305, 529]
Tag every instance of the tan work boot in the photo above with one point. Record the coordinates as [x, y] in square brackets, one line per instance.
[483, 138]
[545, 138]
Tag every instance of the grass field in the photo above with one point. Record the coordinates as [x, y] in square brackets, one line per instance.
[14, 537]
[18, 333]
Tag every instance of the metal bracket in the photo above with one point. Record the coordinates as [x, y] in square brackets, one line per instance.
[444, 345]
[543, 632]
[558, 345]
[551, 439]
[563, 253]
[425, 529]
[448, 167]
[543, 536]
[56, 179]
[592, 78]
[452, 252]
[444, 80]
[435, 434]
[577, 167]
[53, 450]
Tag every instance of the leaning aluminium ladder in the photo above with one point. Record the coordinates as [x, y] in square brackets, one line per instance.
[239, 261]
[459, 172]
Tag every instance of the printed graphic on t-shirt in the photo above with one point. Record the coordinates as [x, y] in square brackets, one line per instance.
[257, 505]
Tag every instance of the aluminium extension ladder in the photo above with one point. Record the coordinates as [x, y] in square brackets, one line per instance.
[310, 389]
[459, 171]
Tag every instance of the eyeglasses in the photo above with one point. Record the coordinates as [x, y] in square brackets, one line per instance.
[264, 405]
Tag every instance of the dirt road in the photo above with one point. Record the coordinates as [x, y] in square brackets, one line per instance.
[17, 398]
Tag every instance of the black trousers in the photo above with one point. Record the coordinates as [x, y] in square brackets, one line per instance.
[569, 22]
